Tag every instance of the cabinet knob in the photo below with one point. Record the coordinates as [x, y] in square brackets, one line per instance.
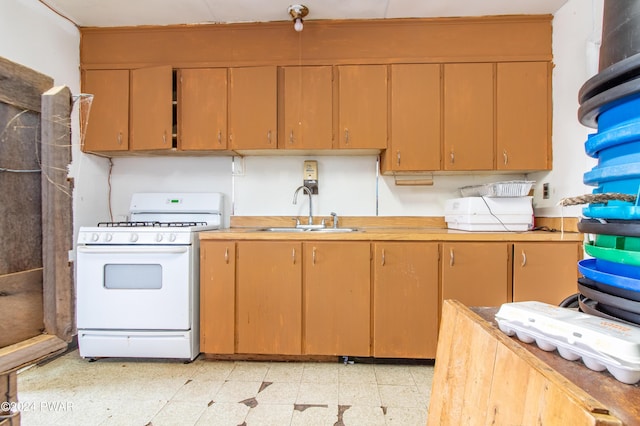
[452, 157]
[226, 255]
[219, 137]
[269, 137]
[119, 138]
[313, 256]
[383, 258]
[293, 255]
[346, 136]
[164, 137]
[291, 137]
[398, 157]
[524, 259]
[451, 257]
[505, 156]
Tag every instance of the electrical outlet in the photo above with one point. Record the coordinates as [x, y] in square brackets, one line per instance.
[545, 191]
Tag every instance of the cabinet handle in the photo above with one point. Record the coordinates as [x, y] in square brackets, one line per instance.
[269, 136]
[226, 255]
[219, 137]
[506, 157]
[524, 259]
[346, 136]
[119, 138]
[293, 256]
[451, 259]
[383, 258]
[313, 255]
[291, 137]
[164, 137]
[452, 157]
[398, 157]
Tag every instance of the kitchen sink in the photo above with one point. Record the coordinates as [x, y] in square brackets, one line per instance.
[314, 230]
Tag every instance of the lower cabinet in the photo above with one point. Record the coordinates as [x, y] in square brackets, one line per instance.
[362, 298]
[405, 299]
[269, 297]
[476, 274]
[546, 272]
[217, 296]
[337, 298]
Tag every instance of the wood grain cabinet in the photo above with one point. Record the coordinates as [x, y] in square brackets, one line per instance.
[546, 272]
[108, 125]
[468, 116]
[131, 110]
[253, 105]
[476, 274]
[337, 298]
[523, 116]
[305, 102]
[361, 111]
[202, 109]
[217, 297]
[405, 299]
[269, 297]
[415, 108]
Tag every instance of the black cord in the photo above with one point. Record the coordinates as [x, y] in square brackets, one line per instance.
[492, 214]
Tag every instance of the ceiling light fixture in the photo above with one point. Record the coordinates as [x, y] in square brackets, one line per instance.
[297, 12]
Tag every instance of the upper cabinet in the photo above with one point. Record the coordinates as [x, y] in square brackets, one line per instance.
[253, 93]
[305, 103]
[151, 109]
[108, 128]
[202, 109]
[468, 116]
[361, 111]
[415, 116]
[523, 116]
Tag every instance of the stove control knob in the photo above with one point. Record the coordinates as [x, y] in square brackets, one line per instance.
[108, 237]
[159, 237]
[133, 238]
[172, 237]
[95, 236]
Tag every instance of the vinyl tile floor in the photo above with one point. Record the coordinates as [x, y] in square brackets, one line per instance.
[70, 390]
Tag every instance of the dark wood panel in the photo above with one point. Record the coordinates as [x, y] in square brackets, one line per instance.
[20, 222]
[21, 306]
[22, 86]
[513, 38]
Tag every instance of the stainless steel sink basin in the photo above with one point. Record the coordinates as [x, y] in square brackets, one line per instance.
[313, 230]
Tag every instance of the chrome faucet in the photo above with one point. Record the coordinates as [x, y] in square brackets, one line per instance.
[295, 200]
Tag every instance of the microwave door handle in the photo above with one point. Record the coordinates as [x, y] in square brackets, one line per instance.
[132, 250]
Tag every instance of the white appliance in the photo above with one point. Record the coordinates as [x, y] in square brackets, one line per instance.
[489, 214]
[138, 281]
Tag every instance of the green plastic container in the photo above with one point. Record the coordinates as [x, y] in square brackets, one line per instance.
[627, 257]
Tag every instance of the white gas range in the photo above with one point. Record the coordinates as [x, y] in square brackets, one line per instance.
[138, 281]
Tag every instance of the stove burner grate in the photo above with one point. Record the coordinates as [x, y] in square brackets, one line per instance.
[149, 224]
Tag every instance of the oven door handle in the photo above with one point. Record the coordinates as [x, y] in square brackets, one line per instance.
[132, 250]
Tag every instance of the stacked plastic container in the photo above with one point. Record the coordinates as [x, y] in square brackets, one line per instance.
[610, 102]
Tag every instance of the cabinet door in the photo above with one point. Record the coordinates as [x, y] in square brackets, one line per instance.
[523, 131]
[468, 117]
[217, 297]
[306, 108]
[202, 109]
[151, 109]
[414, 144]
[546, 272]
[107, 128]
[337, 298]
[405, 300]
[253, 108]
[269, 298]
[476, 274]
[362, 106]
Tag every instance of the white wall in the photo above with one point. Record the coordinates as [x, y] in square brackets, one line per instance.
[34, 36]
[577, 29]
[349, 185]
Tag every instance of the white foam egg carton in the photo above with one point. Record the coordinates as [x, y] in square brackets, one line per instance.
[600, 342]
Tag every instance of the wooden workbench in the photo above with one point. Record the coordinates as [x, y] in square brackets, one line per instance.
[482, 376]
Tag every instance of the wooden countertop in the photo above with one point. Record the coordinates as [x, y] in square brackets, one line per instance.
[391, 234]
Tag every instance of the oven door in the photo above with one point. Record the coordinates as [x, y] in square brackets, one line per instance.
[134, 287]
